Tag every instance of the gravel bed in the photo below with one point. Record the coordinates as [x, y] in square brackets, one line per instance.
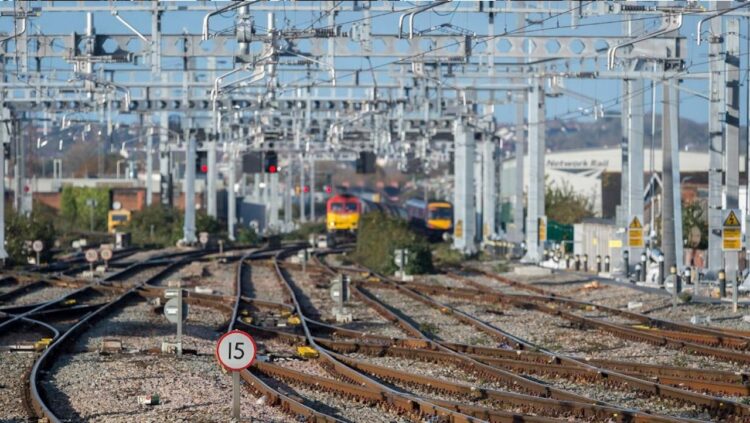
[43, 294]
[333, 404]
[721, 315]
[145, 255]
[557, 334]
[208, 274]
[364, 318]
[440, 280]
[138, 326]
[496, 285]
[96, 388]
[13, 366]
[264, 285]
[627, 399]
[140, 277]
[443, 327]
[444, 371]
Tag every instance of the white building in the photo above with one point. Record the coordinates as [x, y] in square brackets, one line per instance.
[582, 170]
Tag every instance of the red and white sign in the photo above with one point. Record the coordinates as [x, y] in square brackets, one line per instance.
[92, 255]
[236, 350]
[106, 254]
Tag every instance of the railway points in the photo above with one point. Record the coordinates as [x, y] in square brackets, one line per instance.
[369, 211]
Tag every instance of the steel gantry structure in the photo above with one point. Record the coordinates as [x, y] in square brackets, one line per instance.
[336, 84]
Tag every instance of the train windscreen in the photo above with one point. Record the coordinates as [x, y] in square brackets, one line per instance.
[343, 207]
[441, 213]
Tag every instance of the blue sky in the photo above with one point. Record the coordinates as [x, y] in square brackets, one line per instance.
[692, 106]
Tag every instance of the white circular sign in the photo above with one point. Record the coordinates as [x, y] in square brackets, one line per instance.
[116, 205]
[37, 246]
[106, 254]
[170, 310]
[236, 350]
[92, 255]
[203, 237]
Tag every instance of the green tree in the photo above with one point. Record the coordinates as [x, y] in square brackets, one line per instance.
[379, 235]
[76, 212]
[694, 225]
[155, 225]
[19, 229]
[247, 236]
[563, 205]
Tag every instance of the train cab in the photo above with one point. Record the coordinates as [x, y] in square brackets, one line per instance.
[343, 213]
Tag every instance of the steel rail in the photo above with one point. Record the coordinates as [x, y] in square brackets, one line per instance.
[45, 361]
[717, 406]
[719, 382]
[485, 370]
[405, 402]
[275, 397]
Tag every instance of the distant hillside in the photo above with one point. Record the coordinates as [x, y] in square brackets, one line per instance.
[606, 132]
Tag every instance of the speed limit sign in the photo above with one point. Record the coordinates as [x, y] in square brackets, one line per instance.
[37, 246]
[106, 254]
[92, 255]
[236, 350]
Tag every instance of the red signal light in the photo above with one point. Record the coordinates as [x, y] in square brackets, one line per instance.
[307, 188]
[204, 168]
[328, 189]
[272, 169]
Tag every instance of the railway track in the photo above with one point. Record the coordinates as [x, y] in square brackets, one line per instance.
[683, 376]
[552, 406]
[409, 371]
[60, 320]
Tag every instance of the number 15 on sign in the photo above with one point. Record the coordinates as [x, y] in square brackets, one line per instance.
[236, 352]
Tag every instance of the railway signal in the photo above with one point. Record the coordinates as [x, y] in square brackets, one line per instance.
[236, 352]
[271, 162]
[201, 162]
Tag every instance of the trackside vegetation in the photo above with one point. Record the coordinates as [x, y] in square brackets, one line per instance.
[379, 235]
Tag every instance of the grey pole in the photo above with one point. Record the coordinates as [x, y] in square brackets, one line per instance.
[302, 217]
[490, 191]
[179, 319]
[716, 104]
[274, 200]
[211, 178]
[236, 396]
[312, 188]
[3, 141]
[149, 164]
[635, 131]
[464, 222]
[479, 191]
[20, 170]
[231, 195]
[672, 234]
[188, 228]
[165, 173]
[520, 134]
[732, 138]
[288, 184]
[622, 210]
[535, 198]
